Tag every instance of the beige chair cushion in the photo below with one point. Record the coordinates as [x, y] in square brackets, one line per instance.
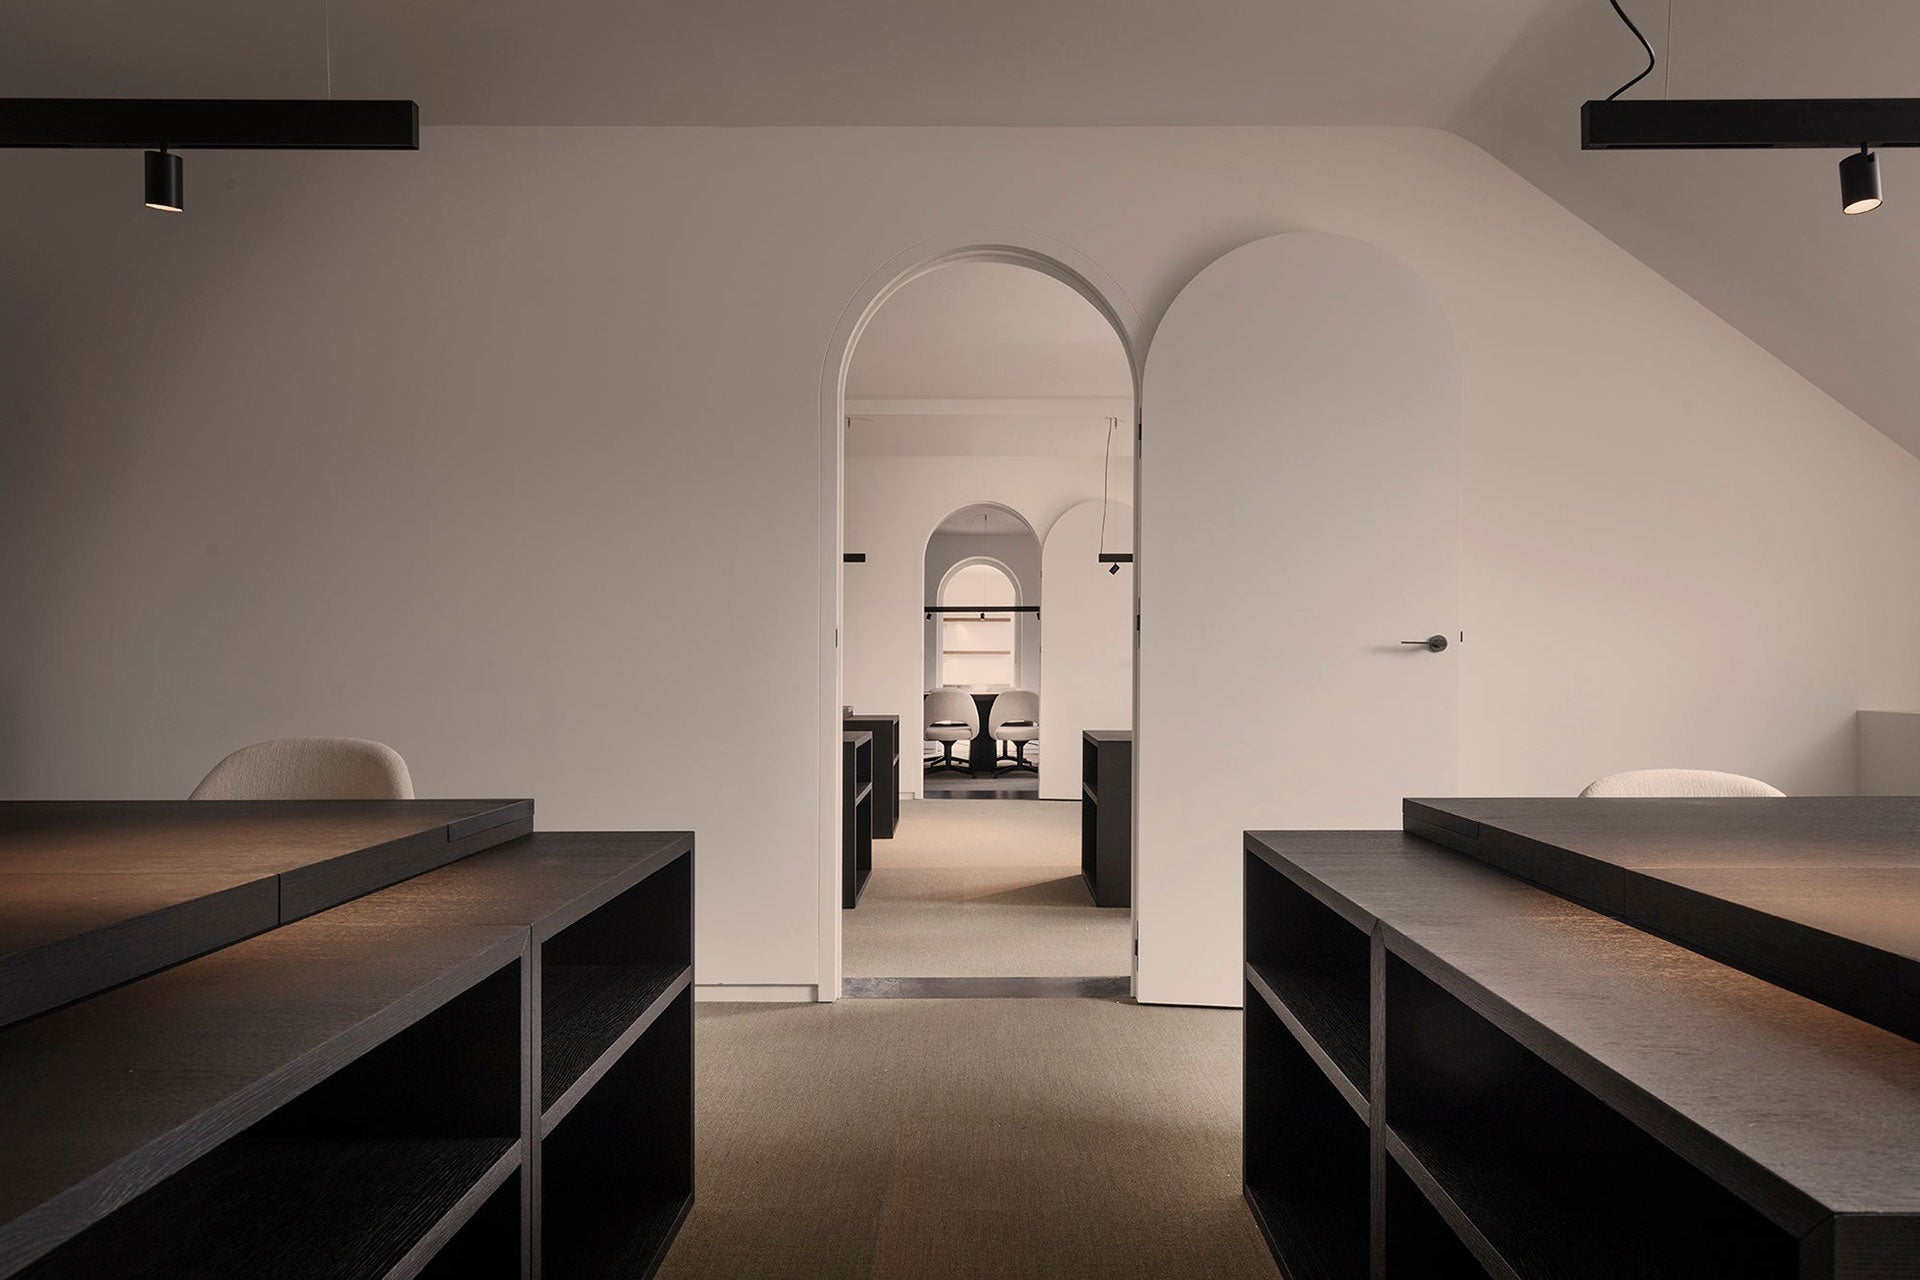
[1651, 783]
[309, 769]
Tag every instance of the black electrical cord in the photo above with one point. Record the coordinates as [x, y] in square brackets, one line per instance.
[1651, 60]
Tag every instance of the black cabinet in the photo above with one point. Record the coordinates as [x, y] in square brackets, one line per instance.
[381, 1088]
[1485, 1079]
[856, 816]
[1106, 815]
[886, 769]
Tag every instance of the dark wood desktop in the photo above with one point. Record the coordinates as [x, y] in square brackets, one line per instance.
[1451, 1070]
[452, 1049]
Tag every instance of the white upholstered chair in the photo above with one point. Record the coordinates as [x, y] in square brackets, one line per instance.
[1015, 717]
[951, 717]
[1647, 783]
[309, 769]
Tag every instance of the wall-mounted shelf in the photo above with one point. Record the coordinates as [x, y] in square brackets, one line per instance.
[1548, 1092]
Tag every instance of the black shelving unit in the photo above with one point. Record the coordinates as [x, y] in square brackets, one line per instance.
[886, 769]
[361, 1093]
[856, 816]
[1547, 1092]
[1106, 815]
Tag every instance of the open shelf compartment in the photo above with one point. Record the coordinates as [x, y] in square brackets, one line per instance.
[1540, 1177]
[1418, 1241]
[393, 1144]
[1304, 1155]
[1316, 962]
[601, 974]
[617, 1171]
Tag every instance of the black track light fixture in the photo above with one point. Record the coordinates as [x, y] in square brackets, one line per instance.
[166, 181]
[1860, 182]
[1735, 124]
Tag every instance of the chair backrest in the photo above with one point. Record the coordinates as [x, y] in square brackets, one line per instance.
[1647, 783]
[309, 769]
[1014, 704]
[952, 704]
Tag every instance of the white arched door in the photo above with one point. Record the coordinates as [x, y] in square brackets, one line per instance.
[1088, 639]
[1299, 519]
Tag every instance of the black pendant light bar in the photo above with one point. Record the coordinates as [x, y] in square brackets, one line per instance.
[212, 124]
[1716, 124]
[854, 557]
[1116, 557]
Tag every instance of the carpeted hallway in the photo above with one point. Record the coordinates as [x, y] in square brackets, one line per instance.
[973, 888]
[911, 1139]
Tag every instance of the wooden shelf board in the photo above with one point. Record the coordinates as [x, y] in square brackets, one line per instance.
[633, 1242]
[313, 1209]
[591, 1013]
[1318, 1236]
[1289, 996]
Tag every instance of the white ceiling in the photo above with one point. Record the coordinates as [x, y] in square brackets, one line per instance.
[1754, 235]
[986, 519]
[784, 61]
[991, 360]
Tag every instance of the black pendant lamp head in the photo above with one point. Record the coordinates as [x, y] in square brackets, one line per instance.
[166, 181]
[1860, 182]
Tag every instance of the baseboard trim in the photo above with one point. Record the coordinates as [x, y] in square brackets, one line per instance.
[757, 993]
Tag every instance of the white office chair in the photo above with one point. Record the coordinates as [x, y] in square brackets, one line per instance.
[1015, 718]
[309, 769]
[1648, 783]
[951, 717]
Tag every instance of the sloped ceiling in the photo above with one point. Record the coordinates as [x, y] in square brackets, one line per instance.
[1756, 236]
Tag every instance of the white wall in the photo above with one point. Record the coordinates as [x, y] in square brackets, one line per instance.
[1089, 638]
[892, 505]
[521, 476]
[1020, 553]
[1889, 753]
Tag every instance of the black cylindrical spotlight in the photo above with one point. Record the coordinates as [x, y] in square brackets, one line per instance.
[166, 181]
[1860, 183]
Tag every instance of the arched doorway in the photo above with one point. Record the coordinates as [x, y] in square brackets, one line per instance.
[873, 407]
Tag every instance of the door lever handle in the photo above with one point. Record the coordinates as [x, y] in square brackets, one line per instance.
[1434, 644]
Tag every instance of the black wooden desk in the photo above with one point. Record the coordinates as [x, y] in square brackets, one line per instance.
[96, 893]
[1818, 894]
[383, 1087]
[1450, 1072]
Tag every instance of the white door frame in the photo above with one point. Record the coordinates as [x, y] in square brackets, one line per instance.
[989, 244]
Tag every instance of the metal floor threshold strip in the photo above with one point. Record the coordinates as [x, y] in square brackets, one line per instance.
[985, 988]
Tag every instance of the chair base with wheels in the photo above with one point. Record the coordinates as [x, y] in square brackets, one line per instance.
[1015, 721]
[948, 761]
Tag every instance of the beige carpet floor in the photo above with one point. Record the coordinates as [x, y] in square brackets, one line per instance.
[911, 1139]
[983, 889]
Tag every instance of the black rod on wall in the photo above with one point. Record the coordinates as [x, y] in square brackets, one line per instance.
[212, 124]
[854, 557]
[1716, 124]
[983, 608]
[1116, 557]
